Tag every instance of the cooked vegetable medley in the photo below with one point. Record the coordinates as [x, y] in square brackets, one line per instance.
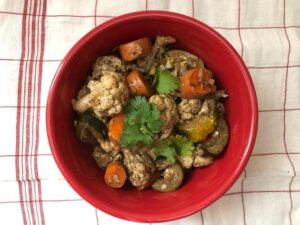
[151, 113]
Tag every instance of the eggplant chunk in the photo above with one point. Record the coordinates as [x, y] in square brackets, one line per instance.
[89, 129]
[217, 143]
[172, 179]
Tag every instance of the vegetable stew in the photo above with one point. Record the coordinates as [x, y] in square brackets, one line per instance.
[151, 114]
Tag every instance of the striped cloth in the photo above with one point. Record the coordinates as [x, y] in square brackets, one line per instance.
[36, 34]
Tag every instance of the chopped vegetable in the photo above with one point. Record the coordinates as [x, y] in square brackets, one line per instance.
[89, 129]
[183, 146]
[158, 47]
[115, 175]
[150, 112]
[135, 49]
[101, 157]
[172, 179]
[198, 128]
[186, 162]
[115, 127]
[138, 164]
[168, 112]
[202, 161]
[179, 61]
[190, 58]
[137, 84]
[107, 96]
[165, 82]
[152, 179]
[196, 82]
[217, 143]
[142, 122]
[164, 147]
[173, 146]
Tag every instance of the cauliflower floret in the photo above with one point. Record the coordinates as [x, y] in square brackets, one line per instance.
[188, 109]
[139, 165]
[103, 158]
[168, 112]
[110, 63]
[186, 161]
[109, 146]
[107, 97]
[200, 159]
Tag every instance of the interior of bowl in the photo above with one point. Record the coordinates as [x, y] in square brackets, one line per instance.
[202, 186]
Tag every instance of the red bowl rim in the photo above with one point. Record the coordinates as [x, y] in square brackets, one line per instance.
[192, 208]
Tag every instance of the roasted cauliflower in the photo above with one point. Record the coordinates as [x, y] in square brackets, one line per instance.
[139, 166]
[188, 109]
[109, 63]
[107, 96]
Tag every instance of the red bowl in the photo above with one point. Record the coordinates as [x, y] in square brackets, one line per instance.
[202, 186]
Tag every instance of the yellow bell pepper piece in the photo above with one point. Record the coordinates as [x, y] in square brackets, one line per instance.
[199, 128]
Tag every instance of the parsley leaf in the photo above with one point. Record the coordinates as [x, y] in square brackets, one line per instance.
[183, 145]
[173, 146]
[141, 123]
[165, 82]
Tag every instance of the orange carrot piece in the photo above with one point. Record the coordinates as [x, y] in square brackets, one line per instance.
[135, 49]
[196, 82]
[137, 84]
[115, 174]
[115, 127]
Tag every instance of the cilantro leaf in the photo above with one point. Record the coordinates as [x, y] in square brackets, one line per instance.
[154, 123]
[141, 123]
[164, 148]
[165, 82]
[172, 146]
[183, 145]
[132, 135]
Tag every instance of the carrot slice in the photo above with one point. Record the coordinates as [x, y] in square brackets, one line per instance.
[135, 49]
[196, 82]
[137, 84]
[115, 127]
[115, 174]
